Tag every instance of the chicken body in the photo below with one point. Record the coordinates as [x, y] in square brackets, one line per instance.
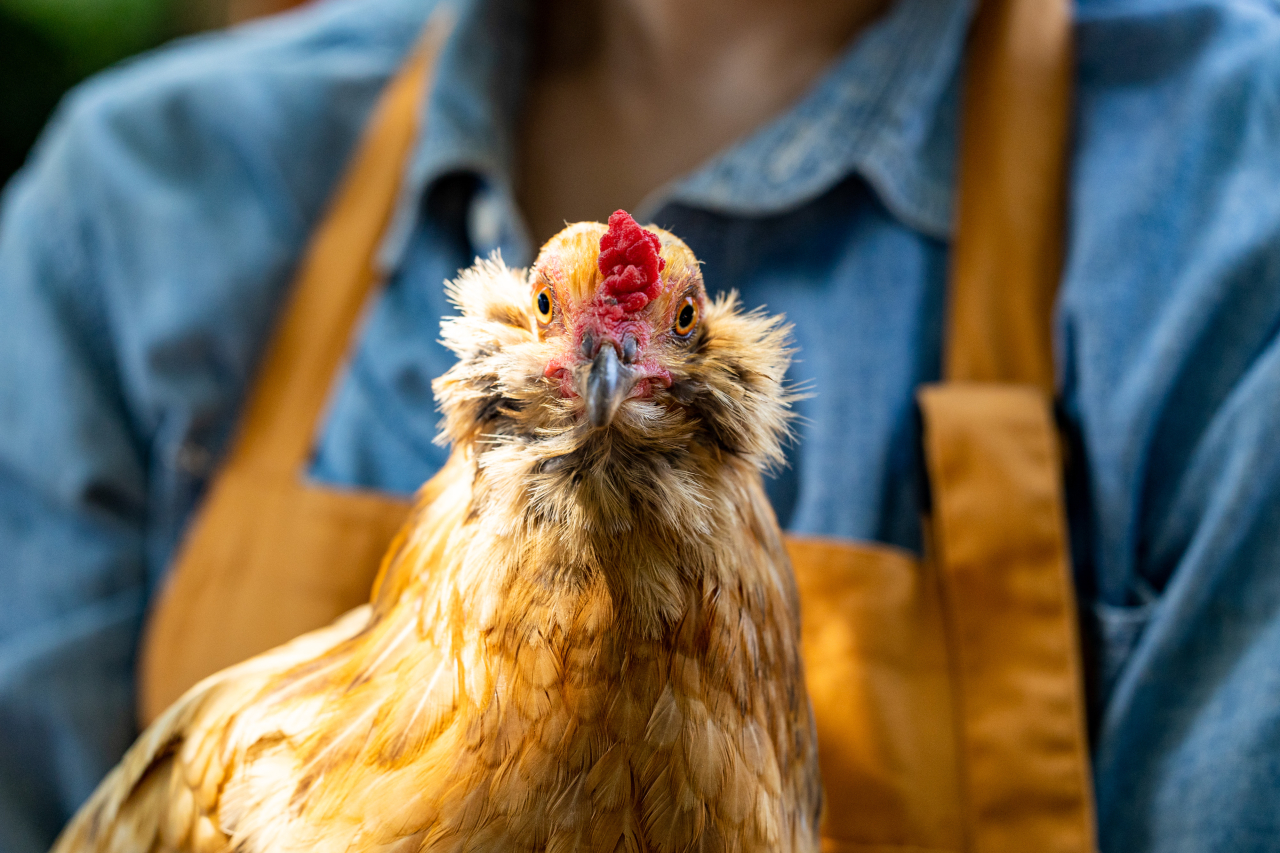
[585, 639]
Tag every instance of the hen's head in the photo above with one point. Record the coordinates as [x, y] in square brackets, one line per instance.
[619, 310]
[609, 350]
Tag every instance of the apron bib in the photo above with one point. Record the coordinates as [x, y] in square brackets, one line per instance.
[947, 691]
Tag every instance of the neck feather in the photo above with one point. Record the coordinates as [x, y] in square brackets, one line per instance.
[639, 534]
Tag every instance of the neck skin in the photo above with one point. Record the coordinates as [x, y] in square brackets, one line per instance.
[630, 94]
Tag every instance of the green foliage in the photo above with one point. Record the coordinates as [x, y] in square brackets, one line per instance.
[91, 34]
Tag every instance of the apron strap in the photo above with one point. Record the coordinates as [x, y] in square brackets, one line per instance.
[315, 332]
[998, 526]
[1007, 252]
[999, 542]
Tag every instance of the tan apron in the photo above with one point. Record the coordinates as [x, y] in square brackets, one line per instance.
[947, 691]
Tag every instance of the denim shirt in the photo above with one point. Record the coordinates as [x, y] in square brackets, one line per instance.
[145, 249]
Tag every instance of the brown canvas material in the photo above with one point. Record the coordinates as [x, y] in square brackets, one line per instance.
[947, 690]
[879, 675]
[999, 541]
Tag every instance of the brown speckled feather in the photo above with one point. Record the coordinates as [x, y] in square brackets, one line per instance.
[583, 640]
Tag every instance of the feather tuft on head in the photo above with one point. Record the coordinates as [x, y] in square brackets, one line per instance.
[630, 263]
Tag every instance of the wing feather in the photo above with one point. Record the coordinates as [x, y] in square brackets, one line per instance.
[164, 794]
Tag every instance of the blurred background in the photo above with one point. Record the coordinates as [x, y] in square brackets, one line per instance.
[47, 46]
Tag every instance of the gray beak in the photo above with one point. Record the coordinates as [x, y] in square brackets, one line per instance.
[606, 387]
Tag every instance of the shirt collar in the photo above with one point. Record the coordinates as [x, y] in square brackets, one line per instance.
[887, 110]
[469, 120]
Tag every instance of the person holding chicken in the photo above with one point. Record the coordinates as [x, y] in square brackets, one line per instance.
[183, 258]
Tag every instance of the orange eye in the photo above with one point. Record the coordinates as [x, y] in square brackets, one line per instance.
[543, 305]
[686, 317]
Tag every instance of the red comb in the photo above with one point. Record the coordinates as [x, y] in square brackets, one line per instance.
[629, 262]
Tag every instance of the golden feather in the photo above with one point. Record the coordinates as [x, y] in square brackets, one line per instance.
[584, 639]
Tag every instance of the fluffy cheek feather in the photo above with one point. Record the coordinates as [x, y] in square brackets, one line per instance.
[492, 291]
[734, 382]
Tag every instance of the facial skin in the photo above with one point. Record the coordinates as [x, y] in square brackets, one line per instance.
[610, 347]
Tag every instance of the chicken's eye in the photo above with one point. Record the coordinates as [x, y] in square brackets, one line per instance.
[686, 317]
[543, 305]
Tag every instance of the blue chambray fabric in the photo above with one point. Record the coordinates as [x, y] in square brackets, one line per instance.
[145, 249]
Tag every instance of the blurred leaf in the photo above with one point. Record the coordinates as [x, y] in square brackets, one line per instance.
[92, 34]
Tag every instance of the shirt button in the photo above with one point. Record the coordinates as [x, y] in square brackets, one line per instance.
[485, 222]
[193, 460]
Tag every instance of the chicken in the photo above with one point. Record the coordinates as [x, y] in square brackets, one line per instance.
[586, 638]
